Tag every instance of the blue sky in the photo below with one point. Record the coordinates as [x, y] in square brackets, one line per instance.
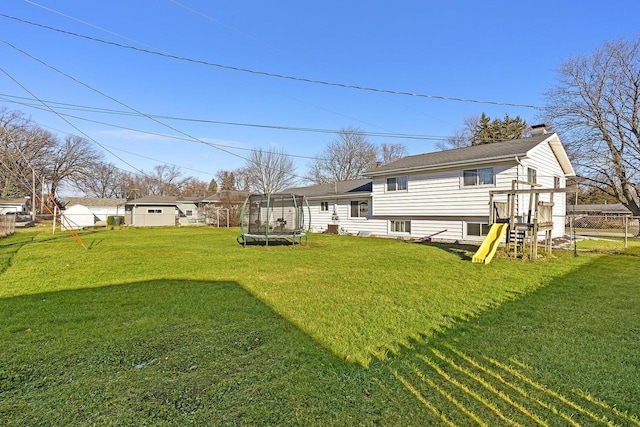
[505, 52]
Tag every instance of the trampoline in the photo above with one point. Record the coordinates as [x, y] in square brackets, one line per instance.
[274, 219]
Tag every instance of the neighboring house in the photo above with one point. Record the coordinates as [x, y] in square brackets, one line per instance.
[445, 194]
[18, 206]
[223, 206]
[80, 212]
[153, 211]
[604, 210]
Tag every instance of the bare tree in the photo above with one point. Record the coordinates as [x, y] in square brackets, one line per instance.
[346, 157]
[103, 180]
[75, 157]
[462, 137]
[269, 171]
[243, 179]
[391, 152]
[596, 108]
[25, 149]
[164, 180]
[192, 186]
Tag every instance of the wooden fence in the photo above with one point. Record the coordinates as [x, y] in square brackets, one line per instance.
[7, 225]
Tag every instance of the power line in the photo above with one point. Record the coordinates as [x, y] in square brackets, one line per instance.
[269, 74]
[217, 122]
[192, 138]
[153, 47]
[86, 85]
[67, 121]
[84, 22]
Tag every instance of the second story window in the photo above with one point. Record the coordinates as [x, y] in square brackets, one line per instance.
[397, 183]
[480, 176]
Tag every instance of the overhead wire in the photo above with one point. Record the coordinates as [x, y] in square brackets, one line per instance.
[227, 123]
[192, 138]
[86, 85]
[328, 110]
[270, 74]
[67, 121]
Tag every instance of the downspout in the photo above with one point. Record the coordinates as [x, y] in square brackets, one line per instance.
[518, 197]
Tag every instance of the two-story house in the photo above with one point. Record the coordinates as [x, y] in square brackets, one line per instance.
[446, 194]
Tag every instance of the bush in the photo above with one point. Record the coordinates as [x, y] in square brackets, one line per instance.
[115, 220]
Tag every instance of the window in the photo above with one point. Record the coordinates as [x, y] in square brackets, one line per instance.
[481, 176]
[359, 209]
[400, 226]
[154, 211]
[556, 182]
[188, 212]
[477, 229]
[324, 206]
[397, 183]
[532, 176]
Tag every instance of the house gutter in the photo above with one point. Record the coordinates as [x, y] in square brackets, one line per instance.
[339, 196]
[447, 165]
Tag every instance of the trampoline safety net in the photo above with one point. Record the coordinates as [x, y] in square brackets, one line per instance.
[273, 219]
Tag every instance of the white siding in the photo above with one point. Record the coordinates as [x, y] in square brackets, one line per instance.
[320, 220]
[440, 193]
[78, 216]
[438, 202]
[544, 161]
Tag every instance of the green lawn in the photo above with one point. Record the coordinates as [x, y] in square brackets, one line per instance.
[609, 244]
[179, 326]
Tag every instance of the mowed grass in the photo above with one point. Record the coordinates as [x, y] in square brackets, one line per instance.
[184, 326]
[609, 244]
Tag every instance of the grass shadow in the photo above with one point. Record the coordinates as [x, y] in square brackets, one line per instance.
[174, 353]
[464, 252]
[563, 355]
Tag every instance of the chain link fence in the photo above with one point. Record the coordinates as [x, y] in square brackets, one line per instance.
[603, 232]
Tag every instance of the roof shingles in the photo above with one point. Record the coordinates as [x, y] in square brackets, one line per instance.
[475, 154]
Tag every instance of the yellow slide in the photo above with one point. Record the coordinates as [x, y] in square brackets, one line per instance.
[490, 244]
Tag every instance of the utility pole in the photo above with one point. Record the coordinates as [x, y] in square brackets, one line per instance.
[42, 207]
[33, 195]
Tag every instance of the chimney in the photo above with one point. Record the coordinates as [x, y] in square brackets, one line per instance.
[540, 129]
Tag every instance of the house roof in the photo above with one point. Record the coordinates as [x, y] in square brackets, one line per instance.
[231, 194]
[154, 200]
[333, 189]
[94, 202]
[14, 201]
[611, 208]
[485, 153]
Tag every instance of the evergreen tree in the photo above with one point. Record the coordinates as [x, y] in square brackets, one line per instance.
[487, 131]
[213, 186]
[11, 190]
[483, 131]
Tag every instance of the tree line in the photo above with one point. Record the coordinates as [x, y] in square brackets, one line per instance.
[29, 151]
